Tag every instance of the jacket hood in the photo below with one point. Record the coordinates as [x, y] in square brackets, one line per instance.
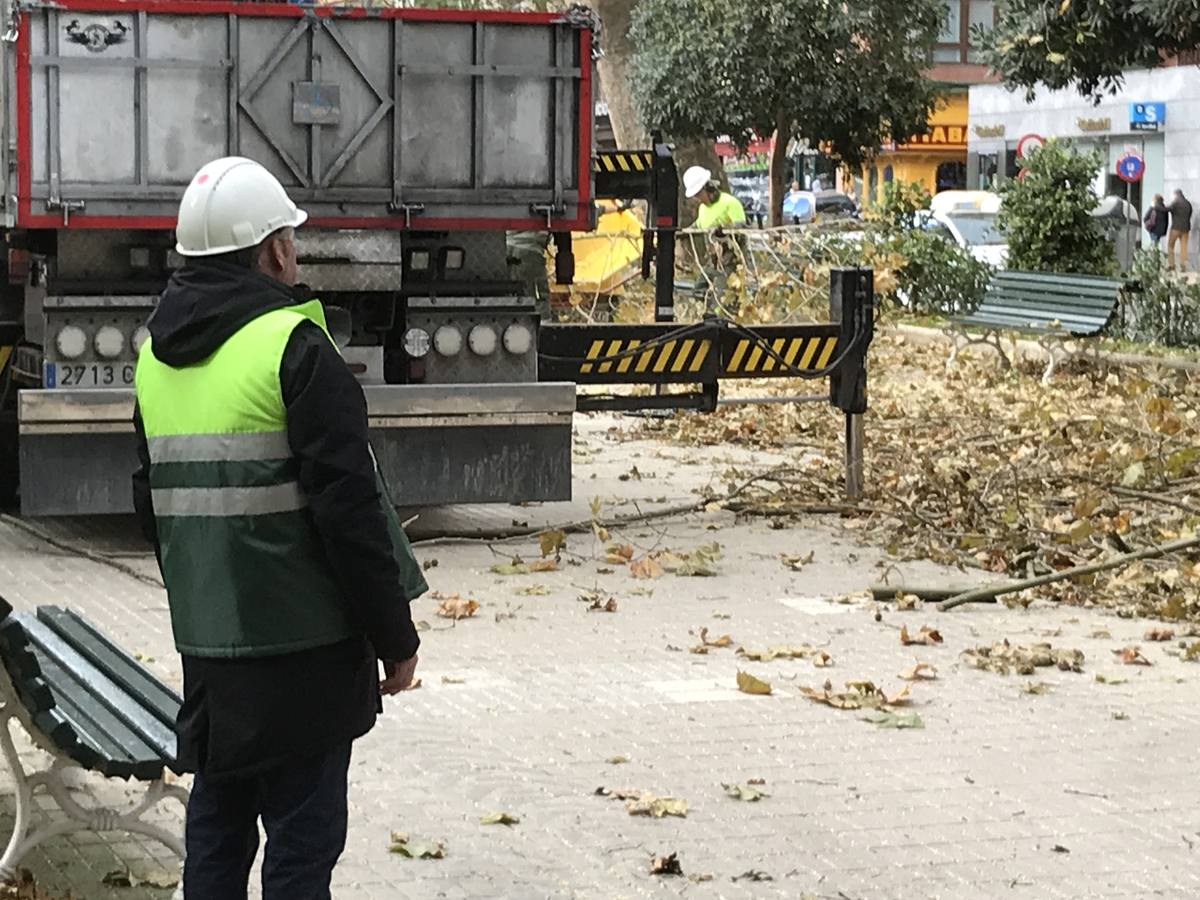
[205, 303]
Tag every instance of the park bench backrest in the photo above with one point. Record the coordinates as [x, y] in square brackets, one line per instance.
[1075, 304]
[95, 702]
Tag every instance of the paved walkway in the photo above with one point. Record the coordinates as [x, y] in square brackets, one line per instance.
[1088, 791]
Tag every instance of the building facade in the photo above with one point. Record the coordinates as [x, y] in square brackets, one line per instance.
[938, 159]
[1155, 118]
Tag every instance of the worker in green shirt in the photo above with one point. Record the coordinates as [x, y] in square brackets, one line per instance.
[718, 210]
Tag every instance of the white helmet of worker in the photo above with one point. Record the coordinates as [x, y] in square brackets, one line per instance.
[232, 203]
[695, 179]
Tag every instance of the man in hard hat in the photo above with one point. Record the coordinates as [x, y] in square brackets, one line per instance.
[288, 574]
[718, 210]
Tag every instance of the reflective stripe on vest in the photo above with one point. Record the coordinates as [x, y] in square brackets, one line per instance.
[228, 501]
[169, 448]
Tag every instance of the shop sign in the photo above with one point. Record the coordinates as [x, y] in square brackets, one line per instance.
[1147, 116]
[989, 131]
[949, 136]
[1104, 124]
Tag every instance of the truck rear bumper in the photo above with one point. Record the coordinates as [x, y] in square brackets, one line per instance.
[436, 444]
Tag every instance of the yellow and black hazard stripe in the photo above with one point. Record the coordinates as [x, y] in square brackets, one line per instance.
[619, 356]
[750, 357]
[637, 161]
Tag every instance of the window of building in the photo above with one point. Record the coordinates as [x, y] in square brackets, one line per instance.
[956, 42]
[981, 15]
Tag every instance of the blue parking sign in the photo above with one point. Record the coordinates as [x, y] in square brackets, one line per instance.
[1147, 116]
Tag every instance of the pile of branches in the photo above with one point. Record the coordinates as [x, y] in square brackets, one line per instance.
[985, 468]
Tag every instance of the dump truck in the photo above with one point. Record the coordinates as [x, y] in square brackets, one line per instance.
[418, 141]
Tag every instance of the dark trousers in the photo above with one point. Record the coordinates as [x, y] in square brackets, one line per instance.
[303, 810]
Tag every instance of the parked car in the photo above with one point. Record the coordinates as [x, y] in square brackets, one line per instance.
[969, 219]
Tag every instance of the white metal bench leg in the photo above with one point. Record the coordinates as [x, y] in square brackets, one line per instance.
[1056, 352]
[78, 818]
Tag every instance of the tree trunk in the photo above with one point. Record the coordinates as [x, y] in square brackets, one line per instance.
[614, 67]
[779, 173]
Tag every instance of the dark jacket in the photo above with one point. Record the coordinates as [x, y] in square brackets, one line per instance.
[244, 715]
[1181, 214]
[1157, 219]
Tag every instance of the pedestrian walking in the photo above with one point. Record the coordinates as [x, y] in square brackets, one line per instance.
[1157, 220]
[288, 574]
[1180, 233]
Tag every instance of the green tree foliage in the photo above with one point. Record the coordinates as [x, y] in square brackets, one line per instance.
[1047, 214]
[845, 75]
[1086, 42]
[938, 276]
[898, 209]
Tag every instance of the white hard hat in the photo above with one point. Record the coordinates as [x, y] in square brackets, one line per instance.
[232, 203]
[694, 180]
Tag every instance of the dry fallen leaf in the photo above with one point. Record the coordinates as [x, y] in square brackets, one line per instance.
[797, 563]
[617, 760]
[403, 845]
[457, 607]
[646, 567]
[126, 878]
[747, 792]
[618, 554]
[598, 605]
[499, 818]
[665, 865]
[922, 671]
[722, 641]
[1132, 656]
[858, 695]
[822, 660]
[656, 807]
[895, 720]
[802, 651]
[1003, 657]
[926, 635]
[1159, 634]
[551, 542]
[748, 684]
[1191, 652]
[1035, 687]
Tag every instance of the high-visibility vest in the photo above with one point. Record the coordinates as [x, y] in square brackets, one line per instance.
[245, 570]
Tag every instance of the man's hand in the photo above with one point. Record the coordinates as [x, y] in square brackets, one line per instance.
[397, 675]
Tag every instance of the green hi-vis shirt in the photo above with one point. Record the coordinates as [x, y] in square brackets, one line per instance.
[244, 566]
[726, 212]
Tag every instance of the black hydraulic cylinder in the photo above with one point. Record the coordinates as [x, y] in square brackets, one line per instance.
[852, 306]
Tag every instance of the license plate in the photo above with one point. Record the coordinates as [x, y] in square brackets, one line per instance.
[89, 375]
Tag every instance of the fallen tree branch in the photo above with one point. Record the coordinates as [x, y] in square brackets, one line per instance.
[1155, 498]
[887, 592]
[991, 592]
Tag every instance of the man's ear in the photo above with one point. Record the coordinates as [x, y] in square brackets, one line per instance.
[278, 254]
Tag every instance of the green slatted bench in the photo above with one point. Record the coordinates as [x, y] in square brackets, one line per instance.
[91, 706]
[1057, 309]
